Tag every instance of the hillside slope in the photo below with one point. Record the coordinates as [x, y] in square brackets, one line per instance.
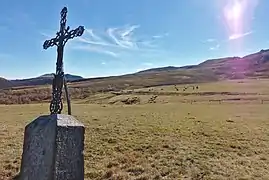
[251, 66]
[4, 83]
[139, 80]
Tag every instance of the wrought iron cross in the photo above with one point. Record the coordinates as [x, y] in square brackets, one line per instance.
[59, 81]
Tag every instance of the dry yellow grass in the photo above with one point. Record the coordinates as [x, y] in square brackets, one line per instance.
[163, 140]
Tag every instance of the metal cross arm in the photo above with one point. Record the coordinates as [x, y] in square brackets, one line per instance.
[73, 33]
[50, 43]
[64, 34]
[68, 35]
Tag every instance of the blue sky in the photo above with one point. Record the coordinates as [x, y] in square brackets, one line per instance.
[124, 36]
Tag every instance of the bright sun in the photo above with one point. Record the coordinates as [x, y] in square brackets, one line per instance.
[234, 15]
[234, 12]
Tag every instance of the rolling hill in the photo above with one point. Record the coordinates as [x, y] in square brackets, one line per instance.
[4, 83]
[41, 80]
[251, 66]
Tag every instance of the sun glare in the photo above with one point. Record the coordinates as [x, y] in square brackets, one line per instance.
[236, 11]
[234, 16]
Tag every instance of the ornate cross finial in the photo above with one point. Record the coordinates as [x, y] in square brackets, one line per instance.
[60, 40]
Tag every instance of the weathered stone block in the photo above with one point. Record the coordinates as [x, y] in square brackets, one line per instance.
[53, 149]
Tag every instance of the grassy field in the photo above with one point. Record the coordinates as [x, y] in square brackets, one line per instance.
[178, 135]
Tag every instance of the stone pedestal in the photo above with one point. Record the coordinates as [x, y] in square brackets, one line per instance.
[53, 149]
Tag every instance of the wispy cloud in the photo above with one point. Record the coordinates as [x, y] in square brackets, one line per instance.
[114, 37]
[238, 36]
[116, 40]
[214, 47]
[218, 43]
[94, 42]
[96, 49]
[123, 36]
[94, 37]
[113, 41]
[211, 40]
[157, 36]
[160, 36]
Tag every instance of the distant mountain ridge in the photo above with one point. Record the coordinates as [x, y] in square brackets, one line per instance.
[167, 68]
[40, 80]
[255, 65]
[4, 83]
[250, 66]
[69, 77]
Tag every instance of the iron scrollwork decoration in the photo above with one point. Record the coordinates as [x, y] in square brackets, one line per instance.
[56, 104]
